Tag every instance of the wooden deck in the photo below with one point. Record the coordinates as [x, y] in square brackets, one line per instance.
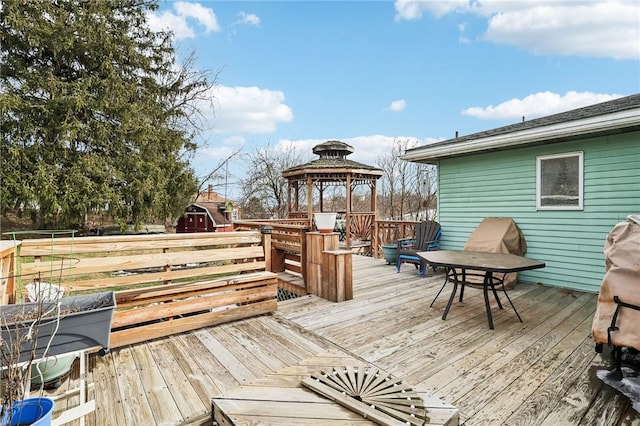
[540, 372]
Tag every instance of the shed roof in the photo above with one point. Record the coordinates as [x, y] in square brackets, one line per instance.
[616, 116]
[213, 210]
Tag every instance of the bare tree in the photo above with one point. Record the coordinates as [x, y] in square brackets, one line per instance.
[404, 175]
[219, 175]
[408, 189]
[264, 180]
[422, 199]
[395, 180]
[388, 183]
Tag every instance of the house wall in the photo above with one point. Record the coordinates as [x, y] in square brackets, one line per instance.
[503, 184]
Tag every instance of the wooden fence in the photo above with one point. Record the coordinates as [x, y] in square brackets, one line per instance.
[174, 282]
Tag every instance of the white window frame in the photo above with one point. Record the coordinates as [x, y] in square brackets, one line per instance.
[539, 161]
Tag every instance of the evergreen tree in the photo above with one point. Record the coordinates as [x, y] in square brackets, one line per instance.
[97, 117]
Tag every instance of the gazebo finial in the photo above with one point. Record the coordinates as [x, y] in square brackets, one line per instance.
[333, 149]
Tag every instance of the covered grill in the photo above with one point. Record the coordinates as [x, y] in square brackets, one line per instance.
[617, 318]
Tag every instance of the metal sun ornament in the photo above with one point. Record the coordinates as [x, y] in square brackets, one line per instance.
[372, 393]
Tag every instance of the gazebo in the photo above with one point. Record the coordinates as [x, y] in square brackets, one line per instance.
[307, 184]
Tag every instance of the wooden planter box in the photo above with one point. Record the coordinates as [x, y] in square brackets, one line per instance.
[84, 323]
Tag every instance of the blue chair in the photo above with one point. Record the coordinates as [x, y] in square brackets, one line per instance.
[427, 238]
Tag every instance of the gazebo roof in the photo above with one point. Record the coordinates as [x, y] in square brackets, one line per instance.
[333, 161]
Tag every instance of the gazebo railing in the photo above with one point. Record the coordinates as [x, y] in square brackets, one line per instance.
[361, 226]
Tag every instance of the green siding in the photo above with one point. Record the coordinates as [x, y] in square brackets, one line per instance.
[503, 184]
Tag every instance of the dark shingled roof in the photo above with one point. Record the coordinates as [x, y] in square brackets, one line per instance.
[609, 107]
[332, 156]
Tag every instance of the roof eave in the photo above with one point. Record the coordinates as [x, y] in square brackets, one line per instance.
[329, 170]
[572, 129]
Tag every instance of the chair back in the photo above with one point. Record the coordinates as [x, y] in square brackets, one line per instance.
[427, 235]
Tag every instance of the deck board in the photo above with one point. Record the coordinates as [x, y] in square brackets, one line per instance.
[500, 400]
[502, 348]
[152, 367]
[202, 384]
[546, 398]
[131, 385]
[208, 364]
[187, 403]
[541, 371]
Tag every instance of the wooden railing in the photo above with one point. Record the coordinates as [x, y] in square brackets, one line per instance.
[364, 227]
[361, 226]
[358, 227]
[90, 263]
[7, 271]
[389, 232]
[164, 283]
[288, 245]
[170, 283]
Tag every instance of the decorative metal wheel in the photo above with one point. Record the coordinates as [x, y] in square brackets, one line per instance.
[373, 393]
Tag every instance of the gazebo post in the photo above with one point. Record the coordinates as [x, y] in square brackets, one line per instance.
[310, 201]
[296, 196]
[348, 212]
[374, 201]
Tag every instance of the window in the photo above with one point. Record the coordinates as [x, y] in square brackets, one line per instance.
[559, 181]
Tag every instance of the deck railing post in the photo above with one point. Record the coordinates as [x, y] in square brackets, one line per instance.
[337, 274]
[329, 270]
[304, 259]
[374, 241]
[266, 245]
[8, 271]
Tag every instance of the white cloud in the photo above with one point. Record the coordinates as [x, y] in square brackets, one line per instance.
[249, 110]
[538, 105]
[249, 19]
[367, 149]
[594, 29]
[219, 151]
[167, 21]
[604, 28]
[398, 105]
[236, 141]
[413, 9]
[181, 22]
[302, 146]
[234, 111]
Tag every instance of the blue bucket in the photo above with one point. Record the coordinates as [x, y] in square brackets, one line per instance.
[30, 411]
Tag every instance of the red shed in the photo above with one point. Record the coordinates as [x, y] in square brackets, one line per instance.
[210, 213]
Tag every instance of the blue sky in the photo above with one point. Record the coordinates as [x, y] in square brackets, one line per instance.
[292, 74]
